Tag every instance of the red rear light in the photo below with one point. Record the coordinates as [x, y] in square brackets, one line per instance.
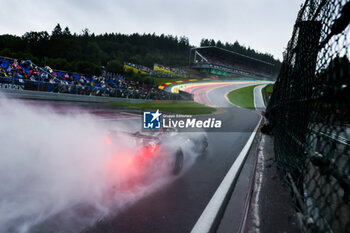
[107, 140]
[148, 151]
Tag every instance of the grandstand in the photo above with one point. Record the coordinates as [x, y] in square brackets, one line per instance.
[219, 61]
[158, 70]
[138, 69]
[25, 75]
[165, 71]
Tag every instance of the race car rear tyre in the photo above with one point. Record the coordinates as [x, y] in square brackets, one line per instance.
[178, 162]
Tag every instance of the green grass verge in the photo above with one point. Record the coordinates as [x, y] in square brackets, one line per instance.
[243, 97]
[269, 88]
[188, 108]
[266, 93]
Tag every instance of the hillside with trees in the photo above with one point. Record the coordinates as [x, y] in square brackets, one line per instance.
[87, 52]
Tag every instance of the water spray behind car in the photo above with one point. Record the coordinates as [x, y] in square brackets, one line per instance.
[70, 170]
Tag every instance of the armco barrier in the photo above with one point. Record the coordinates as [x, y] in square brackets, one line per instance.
[185, 96]
[24, 94]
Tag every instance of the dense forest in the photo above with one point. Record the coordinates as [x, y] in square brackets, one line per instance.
[88, 53]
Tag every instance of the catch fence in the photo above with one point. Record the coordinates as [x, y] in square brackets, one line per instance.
[310, 119]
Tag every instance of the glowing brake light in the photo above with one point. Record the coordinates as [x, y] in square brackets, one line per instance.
[107, 140]
[148, 152]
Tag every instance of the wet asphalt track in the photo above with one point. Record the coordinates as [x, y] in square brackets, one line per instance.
[177, 206]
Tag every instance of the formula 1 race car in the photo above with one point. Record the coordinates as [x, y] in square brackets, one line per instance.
[163, 149]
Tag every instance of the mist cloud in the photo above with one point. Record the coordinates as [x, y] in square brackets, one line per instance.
[58, 174]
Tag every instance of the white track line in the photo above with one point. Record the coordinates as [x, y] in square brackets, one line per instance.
[205, 223]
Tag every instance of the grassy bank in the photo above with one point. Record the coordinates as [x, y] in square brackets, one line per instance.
[243, 97]
[189, 108]
[266, 93]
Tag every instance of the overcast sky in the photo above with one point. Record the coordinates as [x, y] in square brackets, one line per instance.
[264, 25]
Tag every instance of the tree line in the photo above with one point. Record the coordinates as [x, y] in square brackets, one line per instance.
[89, 53]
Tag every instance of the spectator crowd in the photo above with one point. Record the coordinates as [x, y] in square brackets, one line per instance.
[160, 71]
[31, 77]
[139, 67]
